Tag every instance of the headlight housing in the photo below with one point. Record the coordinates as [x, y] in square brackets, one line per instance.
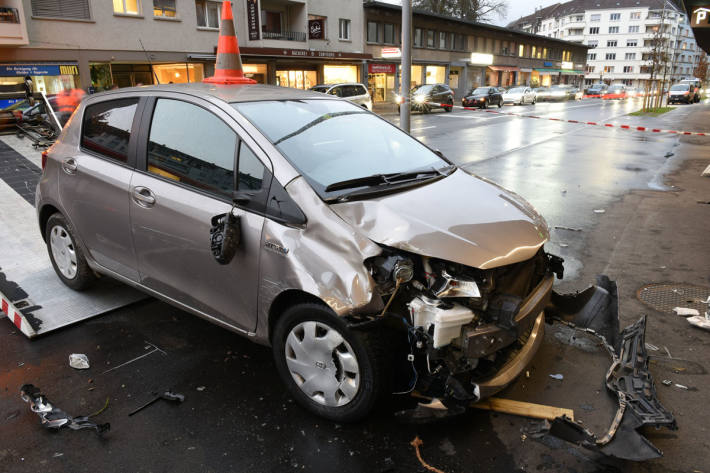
[420, 98]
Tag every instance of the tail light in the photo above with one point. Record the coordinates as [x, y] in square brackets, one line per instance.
[44, 159]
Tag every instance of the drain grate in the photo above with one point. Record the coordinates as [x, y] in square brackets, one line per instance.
[664, 297]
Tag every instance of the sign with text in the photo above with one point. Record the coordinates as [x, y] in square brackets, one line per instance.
[253, 19]
[316, 29]
[391, 52]
[21, 70]
[481, 59]
[381, 68]
[700, 17]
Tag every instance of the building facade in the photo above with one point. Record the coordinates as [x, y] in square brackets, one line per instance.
[621, 35]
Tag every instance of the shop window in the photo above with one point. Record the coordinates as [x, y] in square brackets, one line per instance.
[298, 79]
[178, 73]
[344, 29]
[107, 128]
[100, 76]
[339, 74]
[191, 145]
[389, 33]
[373, 32]
[256, 72]
[165, 8]
[126, 7]
[75, 9]
[9, 15]
[430, 39]
[207, 13]
[417, 37]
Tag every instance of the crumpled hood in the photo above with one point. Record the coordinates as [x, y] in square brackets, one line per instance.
[461, 218]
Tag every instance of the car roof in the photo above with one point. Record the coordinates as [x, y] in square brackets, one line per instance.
[228, 93]
[338, 84]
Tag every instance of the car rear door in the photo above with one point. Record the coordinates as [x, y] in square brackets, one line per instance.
[186, 175]
[94, 185]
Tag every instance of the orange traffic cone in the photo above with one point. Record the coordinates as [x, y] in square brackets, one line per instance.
[228, 69]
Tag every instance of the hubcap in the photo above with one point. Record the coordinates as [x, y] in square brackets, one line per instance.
[322, 364]
[63, 251]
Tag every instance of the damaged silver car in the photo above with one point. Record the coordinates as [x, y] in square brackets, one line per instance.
[369, 262]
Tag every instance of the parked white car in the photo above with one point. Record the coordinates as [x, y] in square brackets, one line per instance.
[519, 96]
[352, 92]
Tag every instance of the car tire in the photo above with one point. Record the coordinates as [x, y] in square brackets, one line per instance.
[450, 107]
[534, 101]
[500, 103]
[67, 254]
[369, 380]
[484, 105]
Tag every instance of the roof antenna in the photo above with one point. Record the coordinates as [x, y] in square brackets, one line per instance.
[147, 56]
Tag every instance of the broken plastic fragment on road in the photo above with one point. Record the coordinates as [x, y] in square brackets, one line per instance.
[595, 311]
[55, 418]
[167, 396]
[79, 361]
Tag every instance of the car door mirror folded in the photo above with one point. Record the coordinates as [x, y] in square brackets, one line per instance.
[225, 236]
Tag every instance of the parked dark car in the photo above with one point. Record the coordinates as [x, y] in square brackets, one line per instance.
[425, 97]
[483, 97]
[598, 89]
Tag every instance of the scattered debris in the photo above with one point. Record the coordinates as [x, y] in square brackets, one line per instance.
[667, 382]
[53, 417]
[557, 376]
[149, 345]
[706, 172]
[79, 361]
[700, 321]
[416, 443]
[651, 347]
[201, 388]
[599, 211]
[685, 311]
[20, 364]
[57, 455]
[668, 352]
[668, 154]
[681, 386]
[560, 227]
[167, 395]
[525, 409]
[563, 245]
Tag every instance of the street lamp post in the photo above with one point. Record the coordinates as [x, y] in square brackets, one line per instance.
[404, 109]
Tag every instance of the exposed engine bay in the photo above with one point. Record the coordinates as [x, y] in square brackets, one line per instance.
[463, 324]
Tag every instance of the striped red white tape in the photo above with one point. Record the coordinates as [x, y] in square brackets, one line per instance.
[580, 122]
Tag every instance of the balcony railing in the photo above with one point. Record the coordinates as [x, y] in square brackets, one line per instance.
[284, 35]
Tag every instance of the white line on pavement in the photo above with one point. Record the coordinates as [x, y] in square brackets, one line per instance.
[423, 128]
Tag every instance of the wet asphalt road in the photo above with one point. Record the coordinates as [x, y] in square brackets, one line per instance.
[238, 417]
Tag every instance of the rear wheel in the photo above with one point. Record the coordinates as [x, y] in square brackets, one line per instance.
[66, 255]
[500, 103]
[331, 370]
[450, 106]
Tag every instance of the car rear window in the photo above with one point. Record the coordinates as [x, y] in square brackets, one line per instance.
[107, 126]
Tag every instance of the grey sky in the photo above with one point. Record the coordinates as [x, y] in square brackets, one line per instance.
[518, 8]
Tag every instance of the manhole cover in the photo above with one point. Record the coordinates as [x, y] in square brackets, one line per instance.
[664, 297]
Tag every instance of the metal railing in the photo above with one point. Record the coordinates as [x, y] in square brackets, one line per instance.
[284, 35]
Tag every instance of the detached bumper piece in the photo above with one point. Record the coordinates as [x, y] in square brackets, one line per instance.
[53, 417]
[595, 311]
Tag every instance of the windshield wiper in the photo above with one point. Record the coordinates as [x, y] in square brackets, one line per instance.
[388, 179]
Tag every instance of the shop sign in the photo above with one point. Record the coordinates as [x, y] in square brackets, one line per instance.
[566, 65]
[381, 68]
[21, 70]
[253, 19]
[481, 59]
[547, 64]
[316, 29]
[391, 52]
[700, 17]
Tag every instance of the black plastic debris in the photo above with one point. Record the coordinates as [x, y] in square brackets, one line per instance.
[595, 311]
[53, 417]
[167, 396]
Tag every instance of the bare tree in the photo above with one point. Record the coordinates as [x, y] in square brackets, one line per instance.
[473, 10]
[701, 70]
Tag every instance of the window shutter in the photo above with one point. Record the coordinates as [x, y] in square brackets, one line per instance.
[77, 9]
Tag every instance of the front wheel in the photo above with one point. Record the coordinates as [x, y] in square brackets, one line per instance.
[500, 104]
[330, 370]
[66, 254]
[450, 106]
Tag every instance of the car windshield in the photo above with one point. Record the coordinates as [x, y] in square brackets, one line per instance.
[479, 90]
[598, 86]
[616, 87]
[680, 87]
[516, 90]
[422, 89]
[330, 141]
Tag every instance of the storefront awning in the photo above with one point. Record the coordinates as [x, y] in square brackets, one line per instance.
[569, 72]
[548, 71]
[504, 68]
[564, 72]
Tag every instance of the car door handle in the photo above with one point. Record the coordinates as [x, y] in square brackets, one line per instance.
[69, 166]
[143, 196]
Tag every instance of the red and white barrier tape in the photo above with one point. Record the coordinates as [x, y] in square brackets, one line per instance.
[580, 122]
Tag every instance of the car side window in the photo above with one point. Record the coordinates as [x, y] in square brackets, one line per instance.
[337, 91]
[191, 145]
[361, 90]
[107, 126]
[251, 170]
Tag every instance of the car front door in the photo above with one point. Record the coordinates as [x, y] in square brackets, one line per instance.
[94, 185]
[185, 176]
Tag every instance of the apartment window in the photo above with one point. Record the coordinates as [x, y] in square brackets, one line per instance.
[608, 68]
[452, 41]
[521, 50]
[590, 69]
[442, 40]
[208, 15]
[635, 15]
[631, 43]
[125, 7]
[544, 53]
[389, 33]
[633, 29]
[615, 17]
[593, 43]
[591, 56]
[610, 56]
[75, 9]
[630, 56]
[628, 69]
[344, 29]
[430, 39]
[595, 17]
[460, 42]
[578, 18]
[534, 51]
[164, 8]
[418, 37]
[372, 32]
[594, 30]
[611, 43]
[613, 29]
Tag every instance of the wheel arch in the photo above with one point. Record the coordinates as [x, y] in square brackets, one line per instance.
[45, 212]
[284, 301]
